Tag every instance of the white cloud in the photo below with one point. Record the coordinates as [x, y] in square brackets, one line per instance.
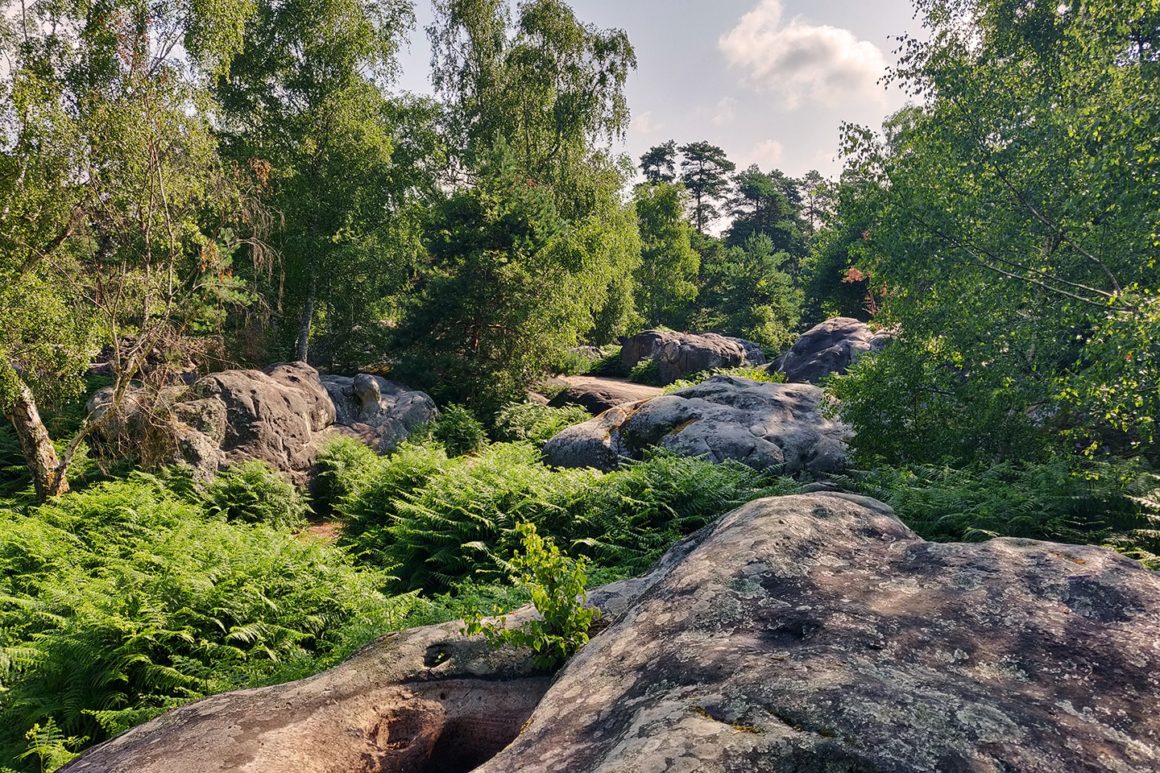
[725, 112]
[645, 124]
[767, 154]
[802, 61]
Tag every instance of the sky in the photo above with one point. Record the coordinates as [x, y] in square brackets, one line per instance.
[770, 81]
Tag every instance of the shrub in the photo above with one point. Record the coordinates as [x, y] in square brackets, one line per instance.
[556, 584]
[753, 373]
[571, 362]
[342, 466]
[647, 371]
[610, 365]
[1052, 500]
[125, 600]
[253, 492]
[536, 423]
[459, 431]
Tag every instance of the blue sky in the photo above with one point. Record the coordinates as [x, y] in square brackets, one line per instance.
[768, 80]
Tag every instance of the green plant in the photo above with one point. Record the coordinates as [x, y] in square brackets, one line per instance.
[753, 373]
[610, 365]
[253, 492]
[124, 600]
[342, 465]
[459, 431]
[536, 423]
[647, 371]
[556, 584]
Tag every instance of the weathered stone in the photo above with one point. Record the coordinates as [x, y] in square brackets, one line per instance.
[423, 699]
[776, 427]
[801, 633]
[681, 354]
[817, 633]
[830, 347]
[596, 394]
[282, 416]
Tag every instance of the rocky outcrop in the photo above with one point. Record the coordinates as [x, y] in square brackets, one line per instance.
[282, 416]
[597, 395]
[802, 633]
[829, 347]
[775, 427]
[423, 699]
[681, 354]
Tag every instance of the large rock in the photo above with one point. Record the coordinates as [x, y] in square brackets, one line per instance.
[817, 633]
[282, 416]
[597, 395]
[802, 633]
[681, 354]
[830, 347]
[775, 427]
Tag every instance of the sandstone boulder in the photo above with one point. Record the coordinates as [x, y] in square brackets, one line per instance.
[681, 354]
[801, 633]
[829, 347]
[282, 416]
[597, 395]
[775, 427]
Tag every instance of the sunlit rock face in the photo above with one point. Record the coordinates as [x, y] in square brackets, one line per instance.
[830, 347]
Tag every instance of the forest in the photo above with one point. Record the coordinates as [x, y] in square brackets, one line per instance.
[189, 189]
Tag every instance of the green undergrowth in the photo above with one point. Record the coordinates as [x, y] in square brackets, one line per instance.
[1061, 500]
[431, 521]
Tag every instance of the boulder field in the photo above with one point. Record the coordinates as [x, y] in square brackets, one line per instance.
[812, 632]
[282, 415]
[775, 427]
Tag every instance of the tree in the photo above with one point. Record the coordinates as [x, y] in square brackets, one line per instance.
[512, 283]
[305, 94]
[1013, 220]
[819, 199]
[705, 172]
[120, 224]
[767, 204]
[666, 277]
[659, 163]
[746, 293]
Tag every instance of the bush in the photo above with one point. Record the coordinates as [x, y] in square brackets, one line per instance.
[342, 465]
[536, 423]
[125, 600]
[253, 492]
[610, 365]
[753, 373]
[1053, 500]
[647, 371]
[441, 521]
[556, 584]
[459, 431]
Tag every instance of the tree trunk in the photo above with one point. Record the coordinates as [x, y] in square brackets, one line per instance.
[302, 343]
[47, 473]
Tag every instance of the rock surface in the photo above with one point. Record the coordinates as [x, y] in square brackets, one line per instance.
[802, 633]
[830, 347]
[681, 354]
[282, 416]
[597, 394]
[776, 427]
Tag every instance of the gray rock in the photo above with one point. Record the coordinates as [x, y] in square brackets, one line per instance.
[596, 394]
[381, 412]
[681, 354]
[830, 347]
[282, 416]
[802, 633]
[817, 633]
[775, 427]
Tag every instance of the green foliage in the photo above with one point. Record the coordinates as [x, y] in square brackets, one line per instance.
[341, 467]
[125, 600]
[1055, 500]
[254, 492]
[647, 371]
[556, 584]
[705, 171]
[666, 278]
[612, 364]
[432, 522]
[759, 373]
[459, 431]
[536, 423]
[768, 204]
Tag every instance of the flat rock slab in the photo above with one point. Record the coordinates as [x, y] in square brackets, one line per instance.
[817, 633]
[775, 427]
[597, 394]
